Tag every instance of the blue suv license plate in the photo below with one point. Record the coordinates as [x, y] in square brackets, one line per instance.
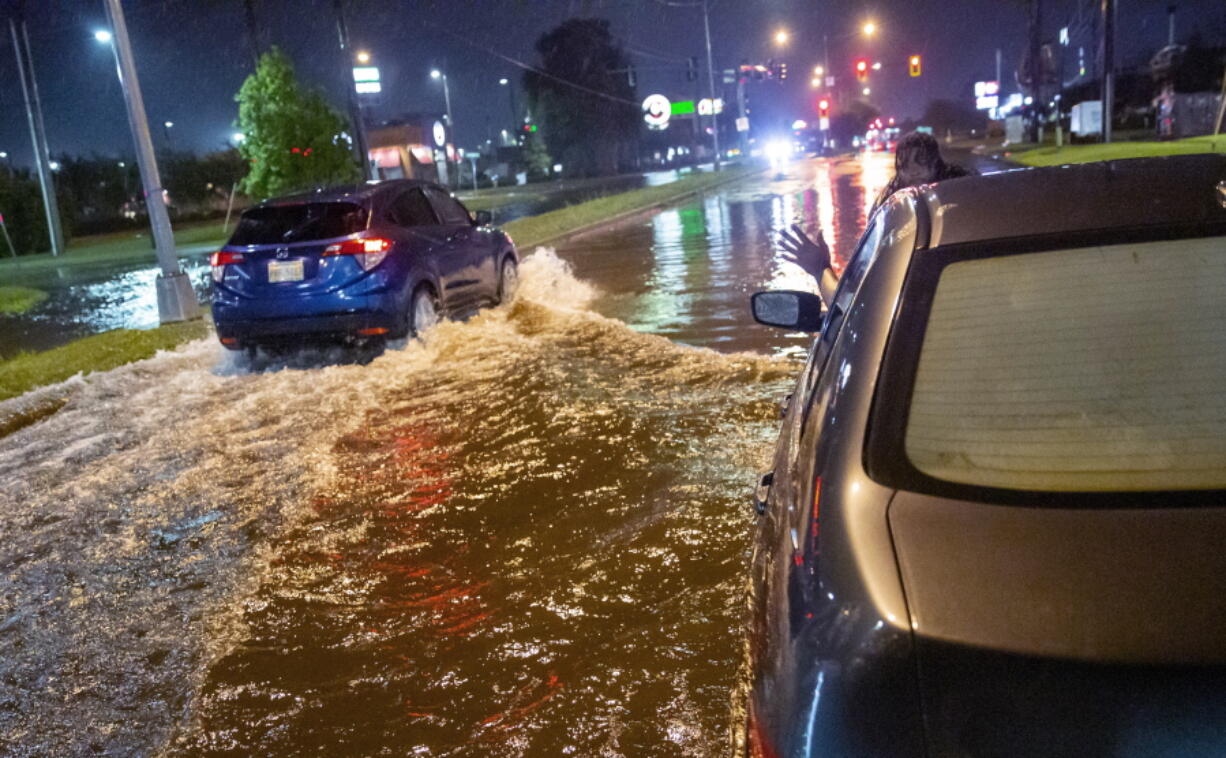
[284, 271]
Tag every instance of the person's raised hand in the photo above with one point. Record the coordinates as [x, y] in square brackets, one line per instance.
[813, 256]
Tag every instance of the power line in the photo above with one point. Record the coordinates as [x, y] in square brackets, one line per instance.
[529, 67]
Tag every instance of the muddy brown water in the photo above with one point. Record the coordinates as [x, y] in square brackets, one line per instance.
[525, 536]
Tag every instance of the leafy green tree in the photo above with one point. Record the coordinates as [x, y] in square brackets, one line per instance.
[582, 97]
[294, 139]
[22, 208]
[536, 158]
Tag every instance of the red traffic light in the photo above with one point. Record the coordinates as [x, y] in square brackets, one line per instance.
[915, 65]
[823, 108]
[862, 69]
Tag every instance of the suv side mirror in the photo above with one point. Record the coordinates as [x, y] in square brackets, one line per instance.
[483, 218]
[790, 309]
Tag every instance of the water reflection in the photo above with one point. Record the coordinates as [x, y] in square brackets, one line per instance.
[687, 273]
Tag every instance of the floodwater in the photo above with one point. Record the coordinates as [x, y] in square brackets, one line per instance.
[525, 536]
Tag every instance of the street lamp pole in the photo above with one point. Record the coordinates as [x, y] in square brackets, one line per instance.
[38, 132]
[355, 107]
[176, 298]
[447, 101]
[516, 123]
[706, 23]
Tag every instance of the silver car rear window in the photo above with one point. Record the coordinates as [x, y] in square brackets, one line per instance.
[1093, 369]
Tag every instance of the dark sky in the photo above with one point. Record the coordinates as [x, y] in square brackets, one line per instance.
[192, 56]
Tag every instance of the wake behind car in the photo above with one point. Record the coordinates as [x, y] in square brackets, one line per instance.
[357, 263]
[996, 518]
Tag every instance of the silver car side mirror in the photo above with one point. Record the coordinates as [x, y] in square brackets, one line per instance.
[789, 309]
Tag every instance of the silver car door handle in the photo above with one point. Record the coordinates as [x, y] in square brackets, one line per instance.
[762, 492]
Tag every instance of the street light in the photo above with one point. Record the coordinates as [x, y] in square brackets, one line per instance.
[819, 71]
[436, 74]
[104, 36]
[781, 37]
[166, 125]
[869, 28]
[238, 137]
[867, 92]
[363, 56]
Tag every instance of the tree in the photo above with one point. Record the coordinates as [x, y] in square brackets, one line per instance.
[21, 204]
[536, 157]
[852, 120]
[582, 98]
[293, 140]
[952, 116]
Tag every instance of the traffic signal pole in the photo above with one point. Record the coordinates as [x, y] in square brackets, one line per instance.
[176, 298]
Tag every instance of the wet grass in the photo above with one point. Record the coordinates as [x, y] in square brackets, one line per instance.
[15, 300]
[535, 230]
[99, 352]
[1055, 156]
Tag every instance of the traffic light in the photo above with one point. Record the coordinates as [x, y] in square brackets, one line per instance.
[862, 70]
[783, 70]
[915, 65]
[823, 108]
[691, 71]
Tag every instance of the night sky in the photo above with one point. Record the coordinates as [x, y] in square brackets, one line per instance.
[192, 54]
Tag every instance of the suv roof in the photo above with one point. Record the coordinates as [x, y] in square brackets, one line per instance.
[1183, 189]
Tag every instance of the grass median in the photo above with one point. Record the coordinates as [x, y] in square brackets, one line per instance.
[102, 352]
[15, 300]
[1057, 156]
[536, 230]
[98, 352]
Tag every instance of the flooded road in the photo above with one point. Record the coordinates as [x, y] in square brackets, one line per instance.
[525, 536]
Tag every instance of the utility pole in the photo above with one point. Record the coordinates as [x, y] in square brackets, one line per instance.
[706, 23]
[1035, 68]
[1108, 86]
[355, 107]
[38, 132]
[176, 298]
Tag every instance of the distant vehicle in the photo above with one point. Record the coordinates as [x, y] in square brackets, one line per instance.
[997, 511]
[360, 263]
[881, 140]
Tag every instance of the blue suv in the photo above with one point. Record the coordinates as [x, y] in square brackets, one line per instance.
[360, 263]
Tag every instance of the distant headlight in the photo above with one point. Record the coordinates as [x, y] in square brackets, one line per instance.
[778, 150]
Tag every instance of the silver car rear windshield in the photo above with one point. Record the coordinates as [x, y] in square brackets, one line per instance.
[1095, 369]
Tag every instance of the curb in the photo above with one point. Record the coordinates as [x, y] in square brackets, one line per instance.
[625, 215]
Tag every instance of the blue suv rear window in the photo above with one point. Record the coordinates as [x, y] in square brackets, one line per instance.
[279, 224]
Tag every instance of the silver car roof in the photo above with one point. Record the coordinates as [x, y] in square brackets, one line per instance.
[1184, 189]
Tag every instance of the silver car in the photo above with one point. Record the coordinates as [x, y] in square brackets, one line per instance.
[996, 523]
